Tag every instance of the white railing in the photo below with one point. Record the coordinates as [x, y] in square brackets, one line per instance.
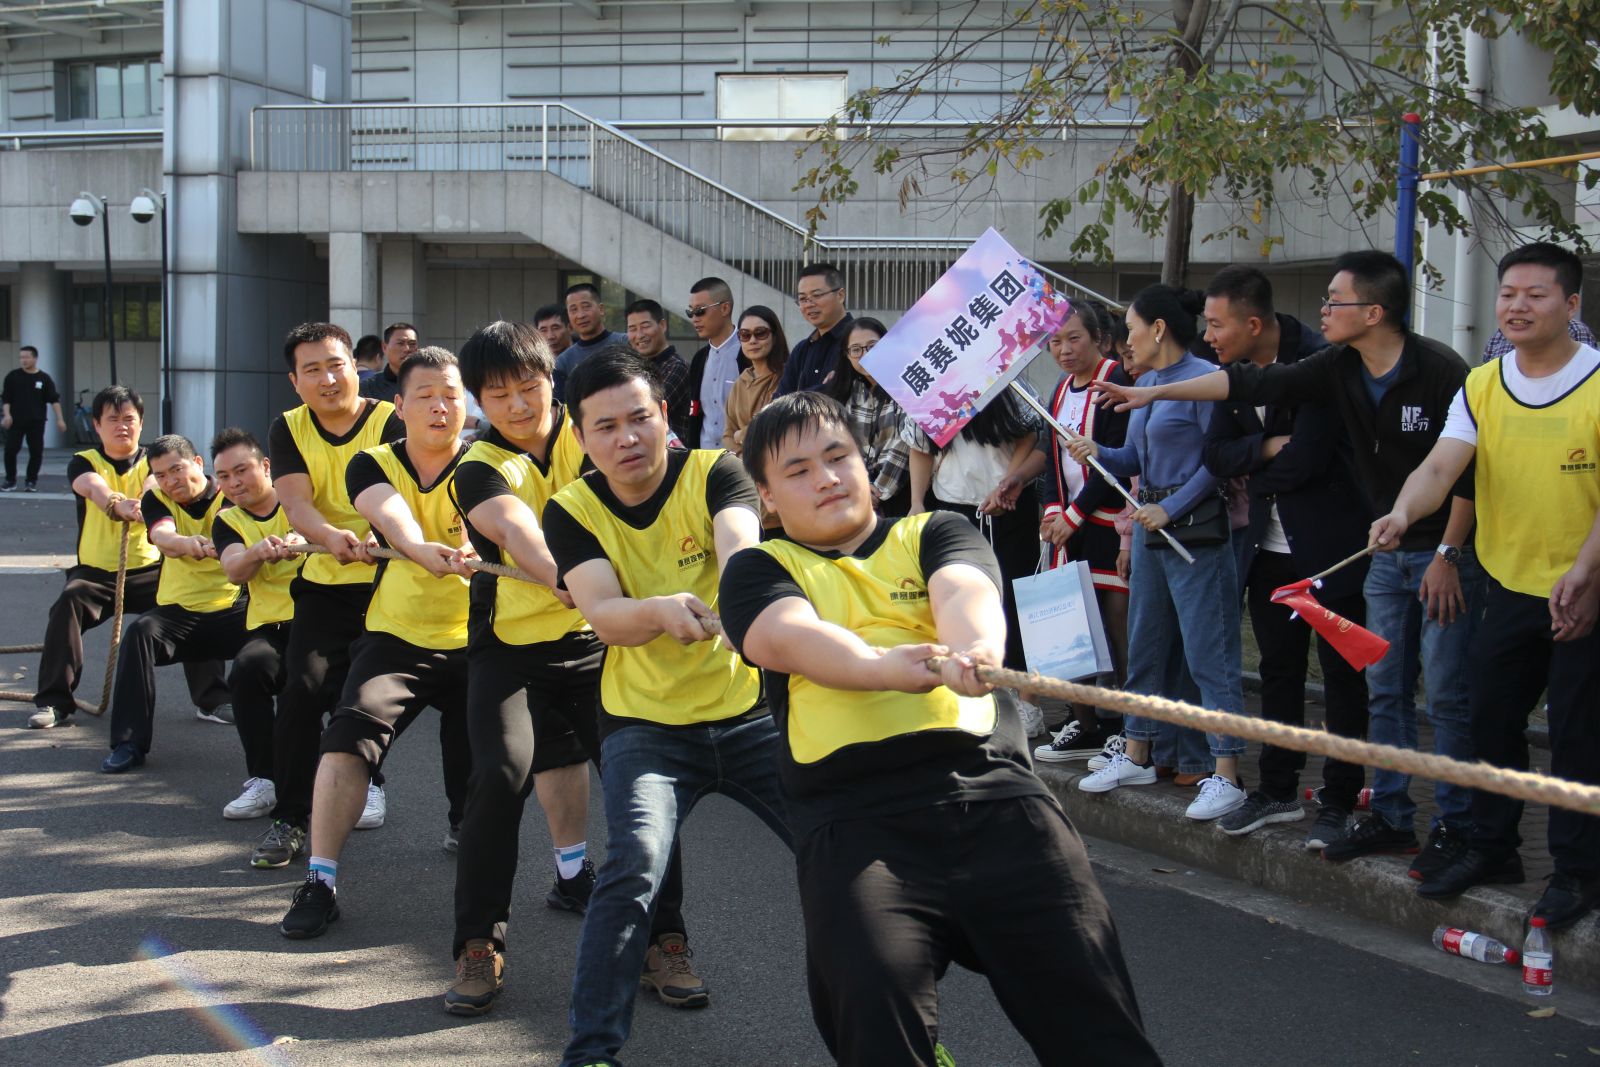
[17, 140]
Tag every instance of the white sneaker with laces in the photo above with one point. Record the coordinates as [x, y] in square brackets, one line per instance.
[1115, 745]
[1120, 771]
[47, 719]
[1217, 796]
[376, 811]
[222, 714]
[1032, 718]
[260, 796]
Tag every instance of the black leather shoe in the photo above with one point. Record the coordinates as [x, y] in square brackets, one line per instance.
[1473, 868]
[124, 757]
[1566, 899]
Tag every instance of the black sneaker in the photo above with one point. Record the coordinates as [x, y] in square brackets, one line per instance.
[1257, 811]
[1331, 823]
[279, 846]
[1470, 869]
[1566, 899]
[9, 487]
[572, 894]
[30, 488]
[315, 905]
[1371, 834]
[1071, 742]
[1444, 847]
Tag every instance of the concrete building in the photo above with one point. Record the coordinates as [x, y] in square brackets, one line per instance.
[445, 162]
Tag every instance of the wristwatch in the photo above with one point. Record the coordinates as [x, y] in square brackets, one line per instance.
[1450, 554]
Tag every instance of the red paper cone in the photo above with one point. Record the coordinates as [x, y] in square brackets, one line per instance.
[1360, 647]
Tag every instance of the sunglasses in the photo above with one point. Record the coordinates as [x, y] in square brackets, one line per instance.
[695, 313]
[760, 333]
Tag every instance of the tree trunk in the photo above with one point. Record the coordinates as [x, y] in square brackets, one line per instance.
[1180, 231]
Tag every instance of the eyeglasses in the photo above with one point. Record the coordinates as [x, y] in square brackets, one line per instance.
[695, 313]
[813, 298]
[860, 350]
[1326, 304]
[760, 333]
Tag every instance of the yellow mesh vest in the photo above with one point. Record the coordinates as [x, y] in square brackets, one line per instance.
[270, 601]
[883, 599]
[196, 584]
[325, 464]
[1537, 480]
[663, 681]
[524, 613]
[409, 602]
[100, 535]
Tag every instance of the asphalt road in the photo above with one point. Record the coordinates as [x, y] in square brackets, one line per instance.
[131, 929]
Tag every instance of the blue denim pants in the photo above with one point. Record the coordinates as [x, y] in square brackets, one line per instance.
[1184, 619]
[1439, 653]
[653, 777]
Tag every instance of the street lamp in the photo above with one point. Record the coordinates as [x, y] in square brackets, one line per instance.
[84, 211]
[143, 208]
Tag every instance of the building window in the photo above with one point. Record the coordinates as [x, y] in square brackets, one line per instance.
[114, 89]
[807, 98]
[5, 314]
[135, 312]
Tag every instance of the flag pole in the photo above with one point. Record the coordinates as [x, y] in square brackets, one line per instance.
[1342, 564]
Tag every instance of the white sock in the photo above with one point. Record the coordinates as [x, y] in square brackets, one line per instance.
[569, 859]
[324, 870]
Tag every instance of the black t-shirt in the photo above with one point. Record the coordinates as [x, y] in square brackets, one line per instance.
[29, 396]
[898, 774]
[286, 457]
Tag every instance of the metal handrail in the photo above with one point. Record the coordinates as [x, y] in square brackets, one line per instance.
[13, 140]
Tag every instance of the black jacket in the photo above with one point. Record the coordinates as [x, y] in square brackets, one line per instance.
[1389, 441]
[812, 361]
[697, 414]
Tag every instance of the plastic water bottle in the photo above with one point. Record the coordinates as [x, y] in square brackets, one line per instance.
[1538, 961]
[1481, 947]
[1363, 798]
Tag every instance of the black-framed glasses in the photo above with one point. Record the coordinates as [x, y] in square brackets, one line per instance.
[858, 351]
[760, 333]
[811, 298]
[695, 313]
[1326, 304]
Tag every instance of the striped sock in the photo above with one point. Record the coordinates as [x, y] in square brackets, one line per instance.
[569, 859]
[324, 870]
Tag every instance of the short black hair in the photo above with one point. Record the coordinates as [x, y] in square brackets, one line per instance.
[608, 368]
[168, 444]
[501, 353]
[831, 276]
[786, 417]
[1382, 280]
[550, 311]
[584, 287]
[1566, 264]
[310, 333]
[714, 287]
[394, 327]
[113, 397]
[1245, 288]
[1178, 308]
[29, 348]
[430, 358]
[233, 436]
[647, 307]
[369, 346]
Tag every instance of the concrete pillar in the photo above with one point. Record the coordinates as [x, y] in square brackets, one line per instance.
[403, 280]
[353, 282]
[44, 320]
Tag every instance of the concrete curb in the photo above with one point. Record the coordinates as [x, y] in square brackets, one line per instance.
[1374, 888]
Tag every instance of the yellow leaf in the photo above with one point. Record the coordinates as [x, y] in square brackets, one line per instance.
[1541, 1013]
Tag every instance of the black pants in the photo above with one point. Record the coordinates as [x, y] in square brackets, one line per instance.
[530, 708]
[1285, 645]
[1014, 536]
[166, 634]
[1002, 887]
[1514, 660]
[255, 681]
[34, 433]
[390, 683]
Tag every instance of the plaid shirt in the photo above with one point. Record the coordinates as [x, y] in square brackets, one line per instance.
[675, 386]
[1499, 346]
[877, 420]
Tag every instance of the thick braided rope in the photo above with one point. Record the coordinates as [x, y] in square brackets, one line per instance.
[13, 650]
[497, 569]
[1521, 785]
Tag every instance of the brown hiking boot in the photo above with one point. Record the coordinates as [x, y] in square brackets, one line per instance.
[480, 975]
[667, 972]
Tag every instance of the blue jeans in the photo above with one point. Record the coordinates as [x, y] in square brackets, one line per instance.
[653, 777]
[1439, 654]
[1184, 619]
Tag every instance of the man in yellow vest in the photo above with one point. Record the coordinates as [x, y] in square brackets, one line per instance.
[923, 836]
[198, 617]
[414, 653]
[1532, 422]
[640, 542]
[252, 540]
[109, 481]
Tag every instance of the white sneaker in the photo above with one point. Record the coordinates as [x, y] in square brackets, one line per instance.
[1032, 718]
[47, 719]
[1217, 797]
[1120, 771]
[1115, 745]
[258, 799]
[222, 714]
[377, 809]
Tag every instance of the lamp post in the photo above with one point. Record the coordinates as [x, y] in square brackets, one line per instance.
[143, 208]
[84, 211]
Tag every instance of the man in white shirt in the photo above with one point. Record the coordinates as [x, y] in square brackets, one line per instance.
[716, 365]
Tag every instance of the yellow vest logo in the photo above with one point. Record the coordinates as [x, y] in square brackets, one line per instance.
[908, 589]
[690, 553]
[1578, 462]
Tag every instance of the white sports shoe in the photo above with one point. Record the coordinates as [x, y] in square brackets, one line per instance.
[376, 811]
[222, 714]
[1120, 771]
[259, 798]
[1032, 718]
[47, 719]
[1216, 798]
[1115, 745]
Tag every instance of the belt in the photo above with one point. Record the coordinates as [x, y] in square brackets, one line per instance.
[1153, 496]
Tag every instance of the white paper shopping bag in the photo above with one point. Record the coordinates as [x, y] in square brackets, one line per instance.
[1062, 634]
